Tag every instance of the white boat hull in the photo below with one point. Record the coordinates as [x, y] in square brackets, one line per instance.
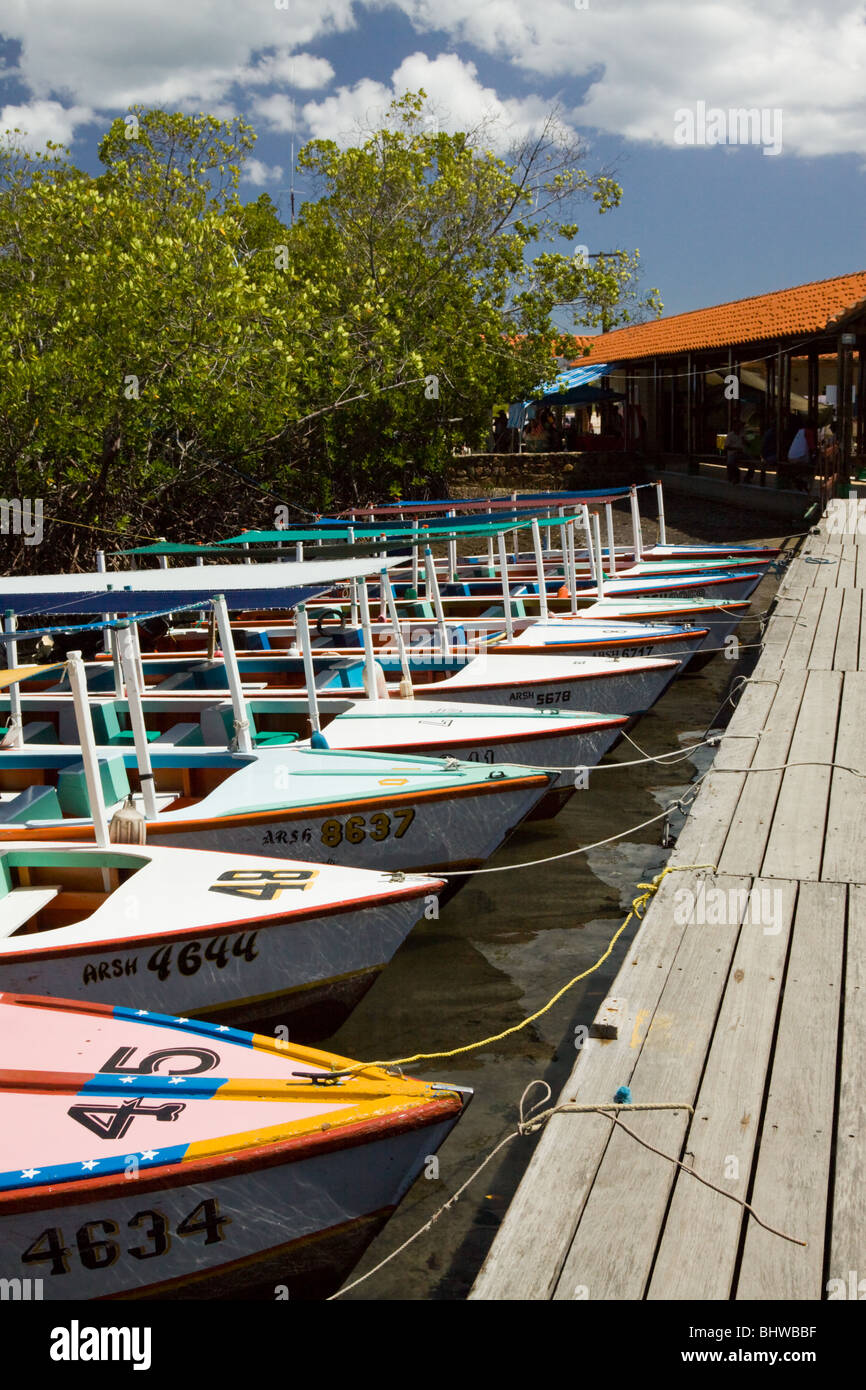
[420, 833]
[310, 970]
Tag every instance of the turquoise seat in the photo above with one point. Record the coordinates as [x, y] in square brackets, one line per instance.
[33, 803]
[72, 786]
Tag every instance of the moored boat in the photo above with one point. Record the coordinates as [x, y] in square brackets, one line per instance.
[199, 933]
[149, 1156]
[360, 810]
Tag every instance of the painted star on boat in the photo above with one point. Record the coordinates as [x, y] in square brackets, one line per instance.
[31, 1172]
[150, 1153]
[90, 1164]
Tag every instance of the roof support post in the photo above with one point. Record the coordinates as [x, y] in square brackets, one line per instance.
[781, 420]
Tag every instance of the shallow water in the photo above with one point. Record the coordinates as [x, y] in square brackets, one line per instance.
[500, 949]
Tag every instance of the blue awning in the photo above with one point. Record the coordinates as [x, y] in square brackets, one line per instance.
[568, 388]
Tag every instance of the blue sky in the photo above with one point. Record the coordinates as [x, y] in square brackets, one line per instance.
[712, 222]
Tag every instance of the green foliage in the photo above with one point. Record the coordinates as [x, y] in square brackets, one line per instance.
[174, 362]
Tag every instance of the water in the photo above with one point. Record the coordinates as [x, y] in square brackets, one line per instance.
[501, 948]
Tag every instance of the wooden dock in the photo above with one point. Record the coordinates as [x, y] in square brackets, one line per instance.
[742, 996]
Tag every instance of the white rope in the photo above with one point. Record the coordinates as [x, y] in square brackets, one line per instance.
[681, 804]
[530, 1123]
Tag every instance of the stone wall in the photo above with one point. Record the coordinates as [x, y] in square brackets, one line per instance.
[531, 472]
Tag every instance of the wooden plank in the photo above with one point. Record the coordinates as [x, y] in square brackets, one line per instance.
[793, 1166]
[793, 586]
[800, 644]
[848, 1230]
[847, 651]
[827, 572]
[845, 844]
[702, 838]
[532, 1243]
[796, 842]
[752, 817]
[631, 1181]
[778, 633]
[846, 570]
[723, 1135]
[824, 644]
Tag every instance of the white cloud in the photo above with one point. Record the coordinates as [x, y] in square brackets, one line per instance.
[646, 61]
[258, 173]
[457, 98]
[643, 61]
[41, 121]
[172, 52]
[303, 71]
[278, 112]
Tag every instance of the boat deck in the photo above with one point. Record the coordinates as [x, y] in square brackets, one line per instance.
[742, 997]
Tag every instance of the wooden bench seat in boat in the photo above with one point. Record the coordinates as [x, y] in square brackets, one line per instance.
[20, 904]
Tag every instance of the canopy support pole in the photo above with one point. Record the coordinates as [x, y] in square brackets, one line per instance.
[593, 573]
[433, 589]
[15, 735]
[415, 560]
[491, 556]
[353, 587]
[452, 551]
[599, 565]
[539, 570]
[126, 645]
[230, 659]
[302, 626]
[78, 684]
[100, 569]
[635, 526]
[371, 666]
[406, 691]
[663, 535]
[611, 548]
[506, 592]
[572, 567]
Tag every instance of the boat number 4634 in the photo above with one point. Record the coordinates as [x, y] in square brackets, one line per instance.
[95, 1249]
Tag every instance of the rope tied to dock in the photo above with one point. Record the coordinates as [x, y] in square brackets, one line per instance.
[530, 1123]
[638, 909]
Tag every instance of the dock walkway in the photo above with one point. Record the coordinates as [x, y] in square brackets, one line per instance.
[742, 995]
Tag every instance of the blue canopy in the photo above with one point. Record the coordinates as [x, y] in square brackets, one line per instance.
[569, 388]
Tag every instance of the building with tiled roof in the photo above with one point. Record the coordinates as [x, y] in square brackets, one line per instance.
[801, 312]
[775, 359]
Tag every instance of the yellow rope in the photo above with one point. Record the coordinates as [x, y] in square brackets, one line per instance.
[638, 908]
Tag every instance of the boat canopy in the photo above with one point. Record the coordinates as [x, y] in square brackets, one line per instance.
[526, 501]
[406, 536]
[151, 591]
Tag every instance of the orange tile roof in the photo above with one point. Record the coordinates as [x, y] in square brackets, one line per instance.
[802, 311]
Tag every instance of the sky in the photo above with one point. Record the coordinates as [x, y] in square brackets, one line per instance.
[719, 208]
